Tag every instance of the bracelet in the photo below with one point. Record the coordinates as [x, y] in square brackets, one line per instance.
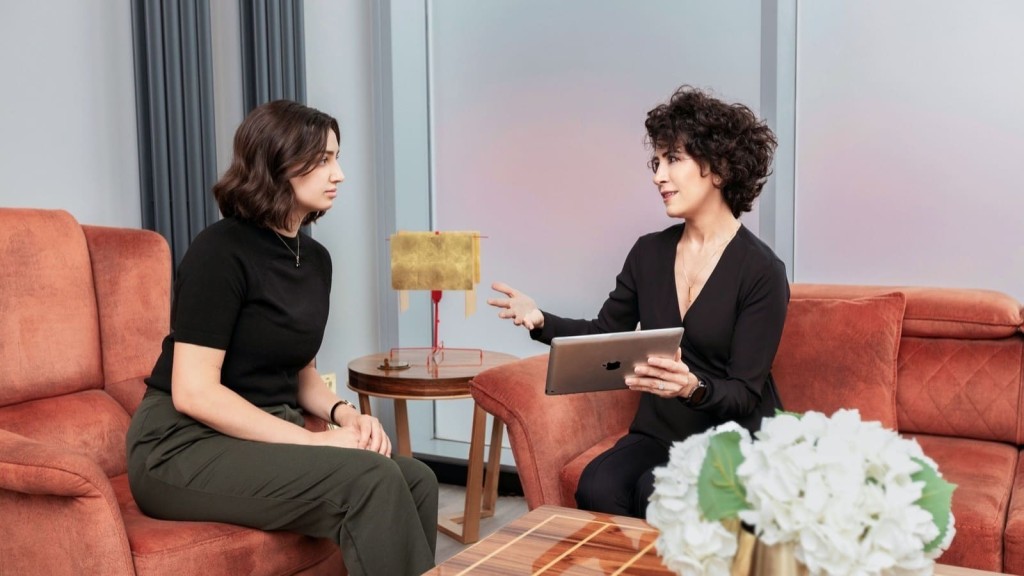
[335, 407]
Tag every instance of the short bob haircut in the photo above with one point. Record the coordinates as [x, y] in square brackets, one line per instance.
[727, 139]
[276, 142]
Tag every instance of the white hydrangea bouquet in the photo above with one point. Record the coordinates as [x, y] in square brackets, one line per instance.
[849, 496]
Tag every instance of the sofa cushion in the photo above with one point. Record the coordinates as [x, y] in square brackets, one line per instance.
[569, 476]
[963, 388]
[1013, 535]
[132, 275]
[161, 547]
[49, 326]
[89, 422]
[984, 474]
[841, 354]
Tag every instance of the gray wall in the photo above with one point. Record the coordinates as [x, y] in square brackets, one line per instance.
[67, 110]
[910, 134]
[538, 143]
[340, 82]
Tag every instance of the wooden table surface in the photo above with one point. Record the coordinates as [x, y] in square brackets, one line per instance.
[554, 540]
[448, 378]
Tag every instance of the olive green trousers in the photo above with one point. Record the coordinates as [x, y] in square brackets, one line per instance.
[381, 511]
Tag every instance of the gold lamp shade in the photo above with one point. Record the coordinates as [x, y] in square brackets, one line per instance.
[435, 261]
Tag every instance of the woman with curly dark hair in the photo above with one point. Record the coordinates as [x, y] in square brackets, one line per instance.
[219, 435]
[708, 274]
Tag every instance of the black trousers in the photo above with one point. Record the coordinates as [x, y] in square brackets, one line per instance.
[382, 512]
[621, 479]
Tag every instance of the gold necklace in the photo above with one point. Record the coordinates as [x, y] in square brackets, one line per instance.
[686, 279]
[298, 246]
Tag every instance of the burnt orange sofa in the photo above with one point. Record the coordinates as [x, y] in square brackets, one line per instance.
[83, 310]
[943, 366]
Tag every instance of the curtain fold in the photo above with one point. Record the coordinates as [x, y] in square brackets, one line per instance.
[175, 111]
[273, 51]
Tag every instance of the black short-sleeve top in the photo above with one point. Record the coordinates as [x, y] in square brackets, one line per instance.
[238, 289]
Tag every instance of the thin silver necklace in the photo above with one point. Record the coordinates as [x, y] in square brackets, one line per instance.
[298, 246]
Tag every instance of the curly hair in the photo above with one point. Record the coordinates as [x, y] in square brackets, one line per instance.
[277, 141]
[727, 139]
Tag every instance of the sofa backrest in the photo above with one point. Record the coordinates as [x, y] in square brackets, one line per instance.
[132, 276]
[49, 323]
[80, 310]
[959, 365]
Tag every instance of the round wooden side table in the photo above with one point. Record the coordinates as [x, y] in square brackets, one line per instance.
[446, 379]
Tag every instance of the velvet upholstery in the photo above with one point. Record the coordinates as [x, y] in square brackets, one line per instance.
[569, 476]
[549, 431]
[1013, 536]
[838, 353]
[958, 377]
[984, 473]
[49, 325]
[964, 388]
[122, 294]
[82, 313]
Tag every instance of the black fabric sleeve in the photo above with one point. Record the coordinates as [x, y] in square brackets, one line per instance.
[210, 291]
[755, 341]
[619, 313]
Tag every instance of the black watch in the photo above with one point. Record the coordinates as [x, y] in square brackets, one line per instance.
[697, 394]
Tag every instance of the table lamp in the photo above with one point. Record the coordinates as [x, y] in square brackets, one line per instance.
[435, 261]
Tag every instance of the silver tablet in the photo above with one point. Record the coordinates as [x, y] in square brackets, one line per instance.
[602, 361]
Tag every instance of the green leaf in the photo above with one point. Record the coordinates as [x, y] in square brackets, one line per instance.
[781, 412]
[936, 498]
[719, 491]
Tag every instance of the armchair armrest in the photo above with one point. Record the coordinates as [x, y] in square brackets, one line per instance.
[546, 432]
[60, 514]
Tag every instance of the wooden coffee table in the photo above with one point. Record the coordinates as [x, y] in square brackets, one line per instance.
[446, 379]
[553, 540]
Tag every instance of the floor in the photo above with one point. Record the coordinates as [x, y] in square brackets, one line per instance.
[451, 501]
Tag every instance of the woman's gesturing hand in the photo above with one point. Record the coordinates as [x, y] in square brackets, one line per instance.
[518, 306]
[665, 377]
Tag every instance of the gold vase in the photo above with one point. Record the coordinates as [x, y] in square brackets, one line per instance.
[755, 558]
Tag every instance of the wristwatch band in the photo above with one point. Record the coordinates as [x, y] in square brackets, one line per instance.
[697, 394]
[335, 407]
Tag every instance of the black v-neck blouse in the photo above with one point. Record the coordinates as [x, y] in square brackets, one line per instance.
[732, 330]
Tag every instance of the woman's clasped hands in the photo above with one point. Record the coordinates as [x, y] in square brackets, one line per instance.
[356, 431]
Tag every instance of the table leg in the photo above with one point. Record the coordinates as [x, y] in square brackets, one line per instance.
[402, 423]
[474, 479]
[364, 404]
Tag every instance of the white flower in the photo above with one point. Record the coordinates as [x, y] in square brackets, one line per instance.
[689, 543]
[841, 490]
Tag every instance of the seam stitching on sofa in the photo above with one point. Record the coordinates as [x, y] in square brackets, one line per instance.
[961, 321]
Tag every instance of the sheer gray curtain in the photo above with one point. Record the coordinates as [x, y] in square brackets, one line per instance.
[174, 103]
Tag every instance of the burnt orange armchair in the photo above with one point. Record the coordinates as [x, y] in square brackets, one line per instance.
[82, 312]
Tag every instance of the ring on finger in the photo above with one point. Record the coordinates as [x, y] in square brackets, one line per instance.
[661, 385]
